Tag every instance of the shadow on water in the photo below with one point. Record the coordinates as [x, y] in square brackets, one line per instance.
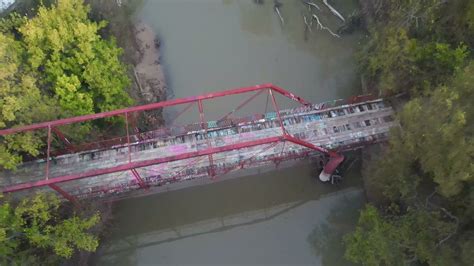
[327, 238]
[132, 243]
[153, 221]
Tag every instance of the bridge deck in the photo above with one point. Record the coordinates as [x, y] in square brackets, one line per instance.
[341, 127]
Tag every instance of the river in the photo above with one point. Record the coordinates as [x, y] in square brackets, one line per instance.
[284, 216]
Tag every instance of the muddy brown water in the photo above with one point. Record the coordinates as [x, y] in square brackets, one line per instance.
[284, 216]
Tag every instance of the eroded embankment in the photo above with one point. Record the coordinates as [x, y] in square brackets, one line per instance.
[141, 52]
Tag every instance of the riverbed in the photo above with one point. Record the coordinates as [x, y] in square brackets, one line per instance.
[284, 216]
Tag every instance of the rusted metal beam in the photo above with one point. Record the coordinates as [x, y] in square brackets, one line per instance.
[152, 106]
[128, 166]
[66, 195]
[139, 179]
[128, 139]
[310, 146]
[277, 110]
[204, 126]
[335, 159]
[242, 105]
[63, 138]
[290, 95]
[181, 112]
[48, 151]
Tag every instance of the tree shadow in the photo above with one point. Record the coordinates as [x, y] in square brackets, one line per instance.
[327, 238]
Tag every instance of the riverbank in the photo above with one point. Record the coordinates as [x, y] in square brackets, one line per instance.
[141, 51]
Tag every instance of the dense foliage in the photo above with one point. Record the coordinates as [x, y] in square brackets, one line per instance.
[35, 232]
[423, 49]
[55, 64]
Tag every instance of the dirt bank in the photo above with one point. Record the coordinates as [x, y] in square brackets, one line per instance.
[141, 52]
[150, 84]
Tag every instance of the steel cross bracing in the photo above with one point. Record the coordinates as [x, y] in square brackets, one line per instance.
[139, 170]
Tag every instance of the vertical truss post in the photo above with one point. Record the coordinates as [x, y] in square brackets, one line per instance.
[128, 139]
[133, 125]
[277, 110]
[266, 104]
[66, 195]
[139, 179]
[281, 154]
[48, 151]
[201, 116]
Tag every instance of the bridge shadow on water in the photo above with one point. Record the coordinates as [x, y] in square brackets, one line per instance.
[168, 217]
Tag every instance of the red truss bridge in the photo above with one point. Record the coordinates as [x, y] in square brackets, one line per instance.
[160, 157]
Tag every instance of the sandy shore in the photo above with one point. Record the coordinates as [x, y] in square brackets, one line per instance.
[140, 51]
[148, 72]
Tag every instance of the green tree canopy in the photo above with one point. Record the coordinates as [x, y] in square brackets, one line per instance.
[422, 48]
[36, 229]
[400, 239]
[54, 65]
[72, 61]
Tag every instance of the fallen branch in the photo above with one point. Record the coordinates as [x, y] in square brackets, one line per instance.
[137, 80]
[333, 10]
[456, 219]
[321, 26]
[308, 26]
[276, 7]
[447, 213]
[311, 4]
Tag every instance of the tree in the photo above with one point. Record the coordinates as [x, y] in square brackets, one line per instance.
[30, 231]
[422, 48]
[400, 238]
[402, 64]
[21, 102]
[55, 65]
[435, 141]
[410, 50]
[72, 61]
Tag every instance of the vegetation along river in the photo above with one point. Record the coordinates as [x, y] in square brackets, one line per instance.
[281, 216]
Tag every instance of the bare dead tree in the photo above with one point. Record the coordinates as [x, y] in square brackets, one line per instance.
[276, 7]
[322, 27]
[333, 10]
[311, 4]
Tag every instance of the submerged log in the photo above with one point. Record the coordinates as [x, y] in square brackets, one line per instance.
[333, 10]
[308, 26]
[321, 26]
[311, 4]
[276, 7]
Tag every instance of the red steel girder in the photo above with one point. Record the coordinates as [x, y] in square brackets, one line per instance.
[128, 166]
[61, 136]
[181, 112]
[310, 146]
[132, 165]
[241, 105]
[204, 126]
[209, 151]
[277, 110]
[152, 106]
[66, 195]
[139, 179]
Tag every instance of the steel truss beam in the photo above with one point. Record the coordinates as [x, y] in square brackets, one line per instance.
[131, 165]
[152, 106]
